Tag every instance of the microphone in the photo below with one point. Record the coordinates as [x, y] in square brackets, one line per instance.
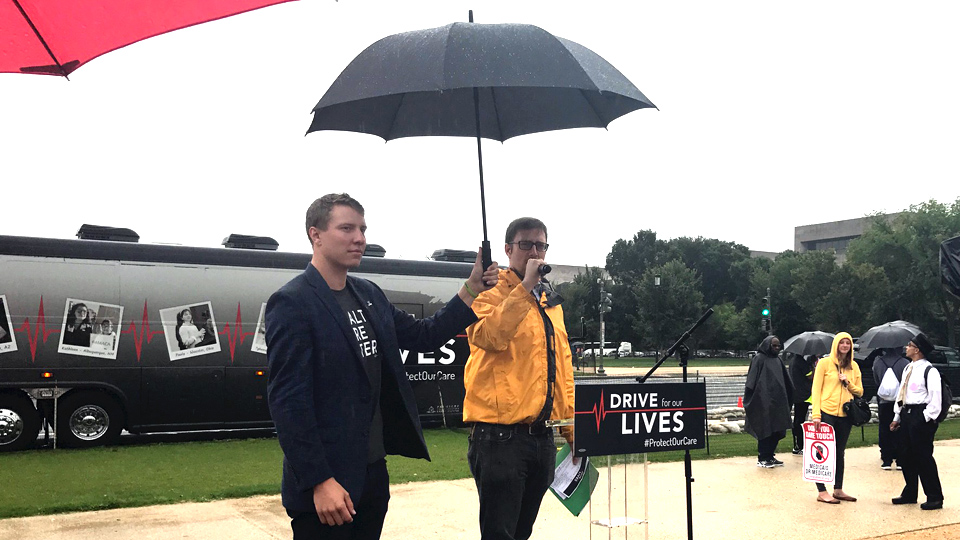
[544, 269]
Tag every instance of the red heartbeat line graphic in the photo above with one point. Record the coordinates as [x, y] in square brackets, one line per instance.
[238, 331]
[600, 412]
[138, 336]
[32, 336]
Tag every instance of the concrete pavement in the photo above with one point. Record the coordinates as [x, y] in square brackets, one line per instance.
[732, 499]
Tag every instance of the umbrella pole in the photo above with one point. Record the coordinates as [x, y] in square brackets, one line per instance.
[42, 41]
[486, 256]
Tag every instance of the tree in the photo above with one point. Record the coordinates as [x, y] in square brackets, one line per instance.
[713, 261]
[629, 259]
[908, 252]
[668, 309]
[580, 299]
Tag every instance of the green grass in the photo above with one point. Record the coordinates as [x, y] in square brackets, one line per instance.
[53, 481]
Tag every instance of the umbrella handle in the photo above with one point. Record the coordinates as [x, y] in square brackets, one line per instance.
[486, 258]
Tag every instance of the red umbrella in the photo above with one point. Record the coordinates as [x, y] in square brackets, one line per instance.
[55, 37]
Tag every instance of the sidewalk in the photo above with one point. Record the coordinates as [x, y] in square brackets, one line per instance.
[732, 498]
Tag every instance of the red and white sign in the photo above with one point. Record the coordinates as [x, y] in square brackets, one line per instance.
[819, 453]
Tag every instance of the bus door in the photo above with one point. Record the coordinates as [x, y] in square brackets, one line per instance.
[182, 356]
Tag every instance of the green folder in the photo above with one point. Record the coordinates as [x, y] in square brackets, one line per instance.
[578, 494]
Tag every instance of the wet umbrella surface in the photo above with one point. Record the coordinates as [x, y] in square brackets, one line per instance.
[807, 343]
[888, 335]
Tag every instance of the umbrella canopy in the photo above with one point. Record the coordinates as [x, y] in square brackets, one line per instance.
[888, 335]
[55, 37]
[807, 343]
[421, 84]
[493, 81]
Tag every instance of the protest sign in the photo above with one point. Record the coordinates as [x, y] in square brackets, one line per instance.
[819, 453]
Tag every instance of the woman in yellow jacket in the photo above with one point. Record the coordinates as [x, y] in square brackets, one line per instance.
[835, 381]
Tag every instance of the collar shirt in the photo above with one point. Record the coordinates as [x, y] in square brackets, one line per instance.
[920, 391]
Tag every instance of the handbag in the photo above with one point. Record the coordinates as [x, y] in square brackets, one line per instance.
[857, 410]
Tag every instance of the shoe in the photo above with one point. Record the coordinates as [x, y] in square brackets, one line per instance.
[904, 500]
[845, 498]
[886, 465]
[766, 464]
[932, 505]
[776, 462]
[798, 451]
[898, 467]
[828, 501]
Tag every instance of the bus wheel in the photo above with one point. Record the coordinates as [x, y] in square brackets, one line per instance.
[87, 419]
[19, 422]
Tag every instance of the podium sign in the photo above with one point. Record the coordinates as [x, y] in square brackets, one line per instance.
[633, 418]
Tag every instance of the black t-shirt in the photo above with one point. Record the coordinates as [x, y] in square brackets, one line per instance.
[370, 353]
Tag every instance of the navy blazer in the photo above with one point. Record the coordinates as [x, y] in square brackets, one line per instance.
[319, 394]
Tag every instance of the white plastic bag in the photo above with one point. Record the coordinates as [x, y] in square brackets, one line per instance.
[889, 386]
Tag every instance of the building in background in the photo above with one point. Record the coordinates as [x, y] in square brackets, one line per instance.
[835, 235]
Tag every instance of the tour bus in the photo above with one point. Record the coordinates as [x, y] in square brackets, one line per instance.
[91, 340]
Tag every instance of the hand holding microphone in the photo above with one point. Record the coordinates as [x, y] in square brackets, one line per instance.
[532, 273]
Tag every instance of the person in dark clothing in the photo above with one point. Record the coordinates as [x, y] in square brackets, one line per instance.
[915, 413]
[801, 375]
[766, 401]
[894, 360]
[338, 393]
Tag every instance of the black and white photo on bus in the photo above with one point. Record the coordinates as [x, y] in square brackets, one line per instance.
[260, 337]
[90, 328]
[7, 341]
[190, 330]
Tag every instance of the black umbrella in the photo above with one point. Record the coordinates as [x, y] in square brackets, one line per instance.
[807, 343]
[888, 335]
[494, 81]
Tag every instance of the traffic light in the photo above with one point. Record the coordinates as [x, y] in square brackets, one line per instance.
[606, 302]
[766, 325]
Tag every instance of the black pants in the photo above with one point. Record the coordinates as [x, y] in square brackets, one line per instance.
[767, 446]
[841, 430]
[371, 509]
[888, 439]
[799, 417]
[916, 454]
[513, 469]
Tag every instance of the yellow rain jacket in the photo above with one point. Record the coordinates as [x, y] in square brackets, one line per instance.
[828, 394]
[506, 374]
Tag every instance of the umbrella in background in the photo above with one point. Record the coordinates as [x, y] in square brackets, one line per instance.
[493, 81]
[807, 343]
[889, 335]
[55, 37]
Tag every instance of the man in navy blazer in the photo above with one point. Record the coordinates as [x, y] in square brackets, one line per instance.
[338, 393]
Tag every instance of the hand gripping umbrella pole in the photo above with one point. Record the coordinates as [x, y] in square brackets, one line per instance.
[684, 354]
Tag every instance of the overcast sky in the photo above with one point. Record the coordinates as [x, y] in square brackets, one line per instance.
[772, 115]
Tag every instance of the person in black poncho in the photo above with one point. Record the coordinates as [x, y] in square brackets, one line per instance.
[766, 401]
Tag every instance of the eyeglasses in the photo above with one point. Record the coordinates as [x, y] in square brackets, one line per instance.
[910, 345]
[527, 245]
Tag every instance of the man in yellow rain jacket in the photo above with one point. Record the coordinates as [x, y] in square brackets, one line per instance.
[518, 376]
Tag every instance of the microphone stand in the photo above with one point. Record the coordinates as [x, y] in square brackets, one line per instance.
[684, 354]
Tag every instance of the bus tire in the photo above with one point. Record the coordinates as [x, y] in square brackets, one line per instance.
[88, 418]
[19, 422]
